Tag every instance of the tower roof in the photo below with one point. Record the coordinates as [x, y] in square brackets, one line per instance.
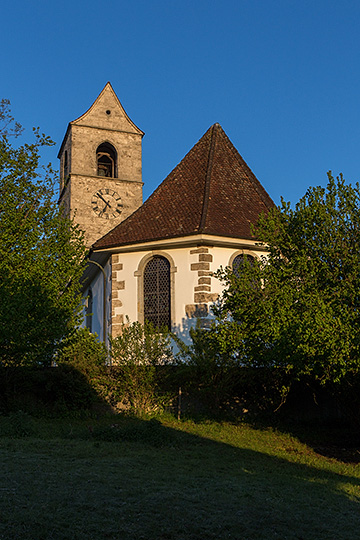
[106, 112]
[107, 105]
[211, 191]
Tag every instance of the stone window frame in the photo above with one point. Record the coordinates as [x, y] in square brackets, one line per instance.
[139, 274]
[242, 252]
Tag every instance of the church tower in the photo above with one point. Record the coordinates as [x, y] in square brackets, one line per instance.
[100, 167]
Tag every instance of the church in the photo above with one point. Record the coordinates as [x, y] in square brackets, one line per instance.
[154, 260]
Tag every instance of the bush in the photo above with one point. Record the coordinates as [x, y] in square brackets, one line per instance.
[18, 424]
[136, 354]
[85, 353]
[211, 374]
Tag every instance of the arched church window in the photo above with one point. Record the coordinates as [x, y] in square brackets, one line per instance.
[157, 296]
[239, 261]
[106, 160]
[89, 310]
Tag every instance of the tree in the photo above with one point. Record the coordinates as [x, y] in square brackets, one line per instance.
[41, 252]
[298, 310]
[8, 126]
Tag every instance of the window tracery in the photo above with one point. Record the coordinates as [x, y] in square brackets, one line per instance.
[238, 262]
[157, 296]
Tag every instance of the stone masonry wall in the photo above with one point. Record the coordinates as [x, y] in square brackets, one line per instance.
[117, 285]
[203, 296]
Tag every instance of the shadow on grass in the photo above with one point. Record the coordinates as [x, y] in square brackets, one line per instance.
[320, 420]
[52, 391]
[128, 478]
[331, 440]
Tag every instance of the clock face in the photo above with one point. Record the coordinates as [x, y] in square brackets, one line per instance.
[106, 203]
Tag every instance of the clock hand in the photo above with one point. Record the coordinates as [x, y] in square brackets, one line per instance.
[102, 212]
[102, 198]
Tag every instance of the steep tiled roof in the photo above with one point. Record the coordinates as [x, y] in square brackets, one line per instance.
[212, 191]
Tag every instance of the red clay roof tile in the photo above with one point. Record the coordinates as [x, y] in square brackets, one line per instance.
[211, 191]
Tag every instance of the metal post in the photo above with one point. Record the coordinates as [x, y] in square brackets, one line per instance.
[179, 404]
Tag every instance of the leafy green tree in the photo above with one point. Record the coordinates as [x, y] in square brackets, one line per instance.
[8, 126]
[40, 253]
[299, 310]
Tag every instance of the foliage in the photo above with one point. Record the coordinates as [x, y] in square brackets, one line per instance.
[90, 358]
[8, 126]
[85, 353]
[18, 424]
[129, 376]
[217, 383]
[298, 311]
[137, 355]
[210, 372]
[40, 254]
[55, 392]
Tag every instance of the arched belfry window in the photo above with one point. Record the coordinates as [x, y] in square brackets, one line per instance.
[89, 310]
[157, 296]
[239, 261]
[106, 160]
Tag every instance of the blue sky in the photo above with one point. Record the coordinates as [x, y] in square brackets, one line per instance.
[281, 77]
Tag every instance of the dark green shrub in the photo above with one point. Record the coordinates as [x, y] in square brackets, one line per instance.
[17, 425]
[85, 353]
[212, 375]
[136, 354]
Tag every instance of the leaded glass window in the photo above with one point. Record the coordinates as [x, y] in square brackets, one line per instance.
[239, 261]
[157, 292]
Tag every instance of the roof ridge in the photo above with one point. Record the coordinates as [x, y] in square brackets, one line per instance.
[252, 176]
[208, 177]
[211, 191]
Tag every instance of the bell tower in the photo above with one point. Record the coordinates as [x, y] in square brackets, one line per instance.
[100, 167]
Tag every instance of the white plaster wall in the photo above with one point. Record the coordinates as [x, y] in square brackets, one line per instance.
[128, 295]
[185, 281]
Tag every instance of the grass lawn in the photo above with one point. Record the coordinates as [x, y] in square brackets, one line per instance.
[135, 479]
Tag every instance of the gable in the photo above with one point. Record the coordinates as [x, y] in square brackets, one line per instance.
[107, 111]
